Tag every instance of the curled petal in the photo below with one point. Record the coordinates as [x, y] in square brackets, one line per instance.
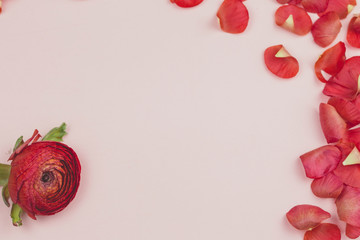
[333, 126]
[293, 19]
[315, 6]
[353, 32]
[328, 186]
[348, 206]
[326, 28]
[186, 3]
[345, 84]
[233, 16]
[280, 62]
[331, 61]
[319, 162]
[325, 231]
[347, 110]
[341, 7]
[304, 217]
[352, 231]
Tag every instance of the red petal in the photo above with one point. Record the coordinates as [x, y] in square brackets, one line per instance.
[331, 61]
[293, 2]
[328, 186]
[315, 6]
[352, 231]
[325, 231]
[353, 136]
[353, 32]
[347, 110]
[326, 28]
[304, 217]
[348, 206]
[233, 16]
[293, 19]
[319, 162]
[333, 126]
[341, 7]
[345, 84]
[186, 3]
[280, 62]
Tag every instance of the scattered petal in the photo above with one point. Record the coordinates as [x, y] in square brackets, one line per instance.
[233, 16]
[353, 32]
[325, 231]
[293, 19]
[333, 126]
[304, 217]
[352, 231]
[186, 3]
[348, 206]
[315, 6]
[331, 61]
[347, 110]
[280, 62]
[350, 175]
[293, 2]
[326, 28]
[319, 162]
[328, 186]
[341, 7]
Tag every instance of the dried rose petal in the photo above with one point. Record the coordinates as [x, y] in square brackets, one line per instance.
[304, 217]
[331, 61]
[280, 62]
[333, 126]
[186, 3]
[328, 186]
[233, 16]
[315, 6]
[325, 231]
[293, 19]
[341, 7]
[347, 110]
[326, 28]
[345, 84]
[353, 32]
[319, 162]
[348, 206]
[352, 231]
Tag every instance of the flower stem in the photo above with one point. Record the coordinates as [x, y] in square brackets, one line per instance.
[4, 173]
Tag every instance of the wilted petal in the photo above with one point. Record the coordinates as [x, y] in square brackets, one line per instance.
[304, 217]
[325, 231]
[347, 110]
[348, 206]
[353, 32]
[315, 6]
[233, 16]
[333, 126]
[186, 3]
[326, 28]
[293, 19]
[280, 62]
[328, 186]
[319, 162]
[341, 7]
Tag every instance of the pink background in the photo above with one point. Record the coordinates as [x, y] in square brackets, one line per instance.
[181, 130]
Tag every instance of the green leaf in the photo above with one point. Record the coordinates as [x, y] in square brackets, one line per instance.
[18, 143]
[56, 134]
[4, 173]
[16, 212]
[6, 195]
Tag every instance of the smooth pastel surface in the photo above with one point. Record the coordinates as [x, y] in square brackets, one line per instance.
[181, 130]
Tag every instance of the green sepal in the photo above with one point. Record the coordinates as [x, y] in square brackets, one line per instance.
[56, 134]
[15, 214]
[4, 173]
[18, 143]
[6, 195]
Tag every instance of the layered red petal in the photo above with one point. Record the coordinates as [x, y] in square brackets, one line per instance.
[293, 19]
[341, 7]
[353, 136]
[353, 32]
[319, 162]
[304, 217]
[326, 28]
[347, 110]
[233, 16]
[352, 231]
[329, 186]
[331, 61]
[345, 84]
[280, 62]
[325, 231]
[348, 206]
[186, 3]
[332, 124]
[315, 6]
